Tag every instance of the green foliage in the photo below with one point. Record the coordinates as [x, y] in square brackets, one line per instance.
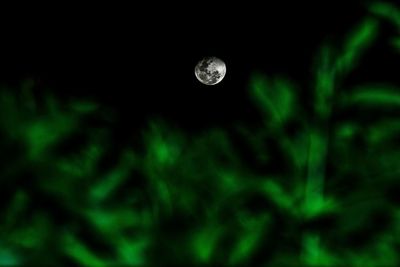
[322, 195]
[275, 97]
[382, 96]
[356, 44]
[386, 10]
[325, 82]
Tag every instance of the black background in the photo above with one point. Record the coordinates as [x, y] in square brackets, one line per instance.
[140, 60]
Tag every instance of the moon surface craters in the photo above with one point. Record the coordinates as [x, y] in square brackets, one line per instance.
[210, 70]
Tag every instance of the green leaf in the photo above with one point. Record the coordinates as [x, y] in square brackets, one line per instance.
[374, 96]
[77, 250]
[275, 98]
[356, 44]
[386, 10]
[325, 82]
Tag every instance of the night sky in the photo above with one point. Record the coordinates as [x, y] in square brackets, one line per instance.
[142, 60]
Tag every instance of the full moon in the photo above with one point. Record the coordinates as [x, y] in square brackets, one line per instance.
[210, 70]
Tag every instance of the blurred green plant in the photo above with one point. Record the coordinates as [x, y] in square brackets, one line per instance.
[324, 194]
